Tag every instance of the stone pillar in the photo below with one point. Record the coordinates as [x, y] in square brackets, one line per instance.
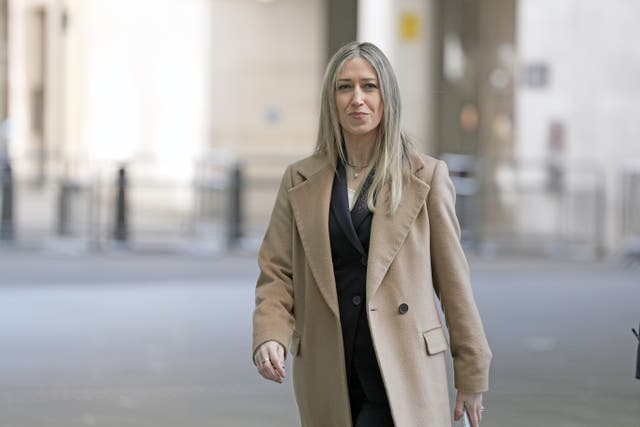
[476, 93]
[342, 24]
[406, 31]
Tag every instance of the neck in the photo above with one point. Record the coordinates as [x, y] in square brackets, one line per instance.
[359, 149]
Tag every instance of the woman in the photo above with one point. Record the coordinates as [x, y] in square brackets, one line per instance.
[362, 242]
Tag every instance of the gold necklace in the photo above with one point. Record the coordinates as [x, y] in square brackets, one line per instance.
[356, 169]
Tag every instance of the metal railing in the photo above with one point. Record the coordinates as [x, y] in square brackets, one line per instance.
[225, 207]
[526, 207]
[631, 211]
[535, 207]
[6, 201]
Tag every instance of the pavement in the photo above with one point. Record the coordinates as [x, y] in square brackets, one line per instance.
[126, 339]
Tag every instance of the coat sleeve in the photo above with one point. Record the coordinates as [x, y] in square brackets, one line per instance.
[273, 314]
[451, 280]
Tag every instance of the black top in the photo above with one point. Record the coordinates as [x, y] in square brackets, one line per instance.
[349, 234]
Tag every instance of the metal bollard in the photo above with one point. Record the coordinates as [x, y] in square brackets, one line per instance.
[120, 230]
[64, 204]
[6, 215]
[637, 334]
[234, 212]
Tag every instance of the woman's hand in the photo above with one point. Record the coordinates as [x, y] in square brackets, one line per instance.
[269, 359]
[473, 403]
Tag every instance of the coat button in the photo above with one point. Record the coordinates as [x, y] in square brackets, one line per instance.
[356, 300]
[403, 308]
[363, 260]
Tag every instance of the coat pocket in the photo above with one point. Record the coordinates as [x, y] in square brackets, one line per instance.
[435, 340]
[294, 349]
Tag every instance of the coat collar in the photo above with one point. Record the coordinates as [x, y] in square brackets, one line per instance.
[317, 162]
[310, 200]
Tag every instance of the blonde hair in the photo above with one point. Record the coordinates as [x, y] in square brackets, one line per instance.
[390, 155]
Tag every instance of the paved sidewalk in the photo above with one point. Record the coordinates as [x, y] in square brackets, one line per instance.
[160, 340]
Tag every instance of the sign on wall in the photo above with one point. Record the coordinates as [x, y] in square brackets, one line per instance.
[409, 26]
[536, 75]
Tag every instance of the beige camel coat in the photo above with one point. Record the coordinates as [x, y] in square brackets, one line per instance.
[414, 258]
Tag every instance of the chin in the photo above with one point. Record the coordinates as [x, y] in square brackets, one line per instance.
[360, 131]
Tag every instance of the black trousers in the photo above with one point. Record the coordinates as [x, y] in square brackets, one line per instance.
[364, 412]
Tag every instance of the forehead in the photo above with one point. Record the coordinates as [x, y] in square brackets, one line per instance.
[358, 68]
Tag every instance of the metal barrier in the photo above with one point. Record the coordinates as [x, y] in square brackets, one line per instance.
[541, 207]
[73, 215]
[503, 206]
[223, 177]
[71, 193]
[631, 211]
[245, 191]
[462, 170]
[6, 201]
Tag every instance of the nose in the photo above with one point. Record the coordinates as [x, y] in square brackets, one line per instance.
[358, 97]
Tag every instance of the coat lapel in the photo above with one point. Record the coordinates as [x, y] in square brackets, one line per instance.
[310, 203]
[388, 232]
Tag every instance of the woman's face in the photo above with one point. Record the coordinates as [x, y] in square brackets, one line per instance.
[358, 99]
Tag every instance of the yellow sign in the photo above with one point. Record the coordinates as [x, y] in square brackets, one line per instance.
[409, 26]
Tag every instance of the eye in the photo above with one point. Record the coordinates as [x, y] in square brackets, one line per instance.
[344, 86]
[371, 86]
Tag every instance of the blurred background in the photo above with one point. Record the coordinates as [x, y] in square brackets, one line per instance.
[142, 142]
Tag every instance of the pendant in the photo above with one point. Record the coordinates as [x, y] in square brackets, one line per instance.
[355, 175]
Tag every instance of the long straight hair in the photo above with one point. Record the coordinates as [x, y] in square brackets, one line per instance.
[390, 155]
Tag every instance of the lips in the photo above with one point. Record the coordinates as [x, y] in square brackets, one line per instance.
[357, 115]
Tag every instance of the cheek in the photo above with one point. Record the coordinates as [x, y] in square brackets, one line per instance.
[379, 111]
[377, 102]
[340, 105]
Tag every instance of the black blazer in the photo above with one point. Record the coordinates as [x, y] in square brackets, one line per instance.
[349, 234]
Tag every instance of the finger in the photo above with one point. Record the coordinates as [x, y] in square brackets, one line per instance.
[267, 371]
[261, 353]
[263, 372]
[279, 361]
[473, 417]
[269, 366]
[457, 413]
[261, 357]
[479, 415]
[281, 352]
[264, 367]
[277, 364]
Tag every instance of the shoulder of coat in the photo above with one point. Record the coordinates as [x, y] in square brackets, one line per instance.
[310, 165]
[424, 166]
